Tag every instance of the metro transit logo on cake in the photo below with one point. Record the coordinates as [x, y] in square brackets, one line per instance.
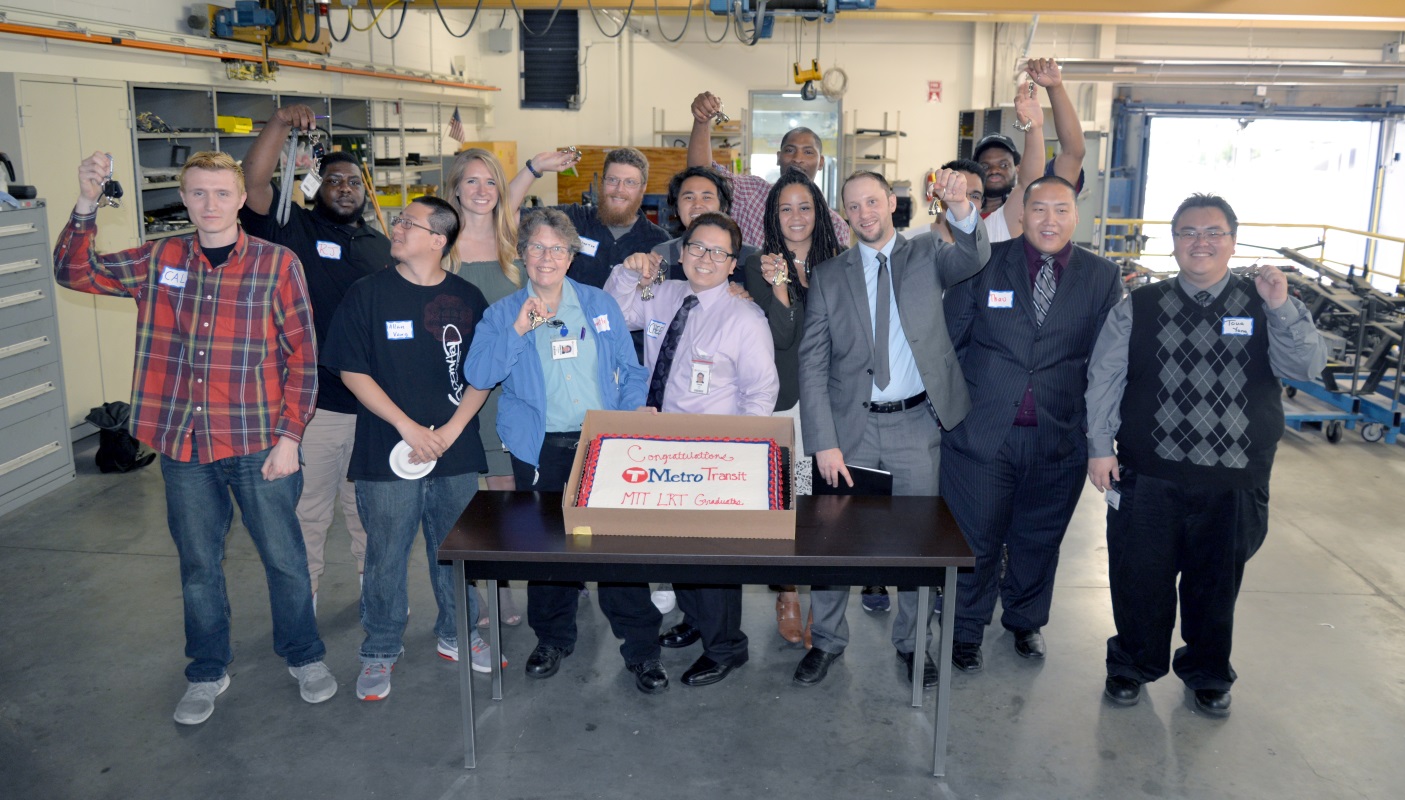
[698, 473]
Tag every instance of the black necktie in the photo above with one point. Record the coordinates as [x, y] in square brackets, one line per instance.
[1204, 298]
[659, 380]
[881, 373]
[1044, 288]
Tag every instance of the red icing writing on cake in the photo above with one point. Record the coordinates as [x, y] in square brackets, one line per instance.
[634, 454]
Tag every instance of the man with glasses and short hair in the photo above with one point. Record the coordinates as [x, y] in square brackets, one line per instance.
[1185, 377]
[615, 228]
[336, 249]
[708, 351]
[399, 341]
[224, 384]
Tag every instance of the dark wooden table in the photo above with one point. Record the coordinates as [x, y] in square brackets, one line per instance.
[855, 541]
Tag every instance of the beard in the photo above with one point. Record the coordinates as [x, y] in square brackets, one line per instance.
[621, 218]
[333, 215]
[998, 194]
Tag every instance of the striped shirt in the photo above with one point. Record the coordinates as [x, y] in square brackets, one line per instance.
[749, 194]
[226, 354]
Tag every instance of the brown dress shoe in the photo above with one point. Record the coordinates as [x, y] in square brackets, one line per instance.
[788, 616]
[809, 620]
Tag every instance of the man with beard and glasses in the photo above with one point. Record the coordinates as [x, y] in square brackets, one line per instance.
[336, 249]
[615, 228]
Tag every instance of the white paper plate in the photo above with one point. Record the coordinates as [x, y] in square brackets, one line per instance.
[400, 463]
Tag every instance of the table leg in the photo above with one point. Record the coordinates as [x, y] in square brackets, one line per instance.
[495, 638]
[943, 712]
[919, 647]
[465, 625]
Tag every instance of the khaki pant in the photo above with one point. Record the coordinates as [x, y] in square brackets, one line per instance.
[326, 454]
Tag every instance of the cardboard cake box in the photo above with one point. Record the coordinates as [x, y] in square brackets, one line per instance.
[654, 521]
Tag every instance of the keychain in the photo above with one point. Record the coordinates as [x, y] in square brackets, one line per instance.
[647, 293]
[111, 189]
[1023, 127]
[312, 181]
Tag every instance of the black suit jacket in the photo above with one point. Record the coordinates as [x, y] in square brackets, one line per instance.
[1002, 350]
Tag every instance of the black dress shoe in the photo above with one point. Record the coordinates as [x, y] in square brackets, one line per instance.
[545, 660]
[966, 656]
[1029, 644]
[649, 676]
[706, 672]
[1122, 691]
[680, 635]
[814, 666]
[1212, 702]
[929, 669]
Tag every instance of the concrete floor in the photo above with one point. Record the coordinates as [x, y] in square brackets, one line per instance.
[90, 671]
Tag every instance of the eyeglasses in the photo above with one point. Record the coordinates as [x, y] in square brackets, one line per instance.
[717, 254]
[339, 180]
[629, 183]
[556, 251]
[403, 221]
[1212, 236]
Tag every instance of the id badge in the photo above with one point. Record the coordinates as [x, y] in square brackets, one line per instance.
[1113, 498]
[701, 381]
[589, 246]
[1005, 299]
[311, 182]
[1237, 326]
[564, 348]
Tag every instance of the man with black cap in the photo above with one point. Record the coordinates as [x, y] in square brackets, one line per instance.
[997, 153]
[336, 249]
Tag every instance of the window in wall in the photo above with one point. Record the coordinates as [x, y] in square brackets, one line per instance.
[550, 66]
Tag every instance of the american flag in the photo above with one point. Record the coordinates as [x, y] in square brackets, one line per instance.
[456, 126]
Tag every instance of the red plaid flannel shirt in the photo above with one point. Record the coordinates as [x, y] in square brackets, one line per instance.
[749, 208]
[227, 354]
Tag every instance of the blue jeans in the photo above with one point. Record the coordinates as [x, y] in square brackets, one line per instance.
[199, 513]
[392, 511]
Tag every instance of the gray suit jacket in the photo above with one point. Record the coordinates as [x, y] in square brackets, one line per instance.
[1002, 351]
[836, 354]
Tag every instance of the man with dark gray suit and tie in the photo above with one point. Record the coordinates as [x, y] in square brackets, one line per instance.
[878, 375]
[1023, 329]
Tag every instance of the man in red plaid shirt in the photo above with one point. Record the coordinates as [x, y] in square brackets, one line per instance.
[225, 382]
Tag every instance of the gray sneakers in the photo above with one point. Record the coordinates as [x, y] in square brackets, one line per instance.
[374, 683]
[199, 701]
[315, 681]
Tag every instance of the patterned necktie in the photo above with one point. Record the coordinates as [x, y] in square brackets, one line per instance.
[1204, 298]
[659, 380]
[1044, 287]
[881, 373]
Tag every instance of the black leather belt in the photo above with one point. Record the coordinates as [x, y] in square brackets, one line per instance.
[897, 405]
[562, 441]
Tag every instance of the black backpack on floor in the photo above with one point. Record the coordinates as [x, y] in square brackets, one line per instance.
[118, 450]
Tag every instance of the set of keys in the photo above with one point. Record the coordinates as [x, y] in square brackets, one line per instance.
[1023, 127]
[537, 320]
[111, 190]
[312, 181]
[720, 117]
[647, 293]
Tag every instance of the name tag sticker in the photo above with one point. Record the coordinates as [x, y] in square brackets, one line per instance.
[328, 249]
[1237, 326]
[1005, 299]
[399, 329]
[564, 348]
[1113, 498]
[702, 377]
[589, 246]
[601, 323]
[654, 329]
[175, 278]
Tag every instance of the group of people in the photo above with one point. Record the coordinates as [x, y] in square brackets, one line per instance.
[298, 358]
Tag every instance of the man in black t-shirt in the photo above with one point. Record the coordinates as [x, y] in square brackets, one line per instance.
[399, 342]
[336, 250]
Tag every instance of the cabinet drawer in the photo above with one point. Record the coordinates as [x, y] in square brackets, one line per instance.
[22, 229]
[26, 346]
[22, 265]
[30, 393]
[26, 302]
[33, 450]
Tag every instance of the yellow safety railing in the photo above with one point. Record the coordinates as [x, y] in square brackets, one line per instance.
[1132, 239]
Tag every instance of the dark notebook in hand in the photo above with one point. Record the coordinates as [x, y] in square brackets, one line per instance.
[866, 481]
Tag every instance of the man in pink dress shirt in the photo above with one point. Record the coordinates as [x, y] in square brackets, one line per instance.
[707, 352]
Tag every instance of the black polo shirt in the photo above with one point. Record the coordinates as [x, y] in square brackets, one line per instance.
[333, 256]
[601, 251]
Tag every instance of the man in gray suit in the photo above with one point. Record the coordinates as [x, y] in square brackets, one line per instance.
[1023, 330]
[878, 374]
